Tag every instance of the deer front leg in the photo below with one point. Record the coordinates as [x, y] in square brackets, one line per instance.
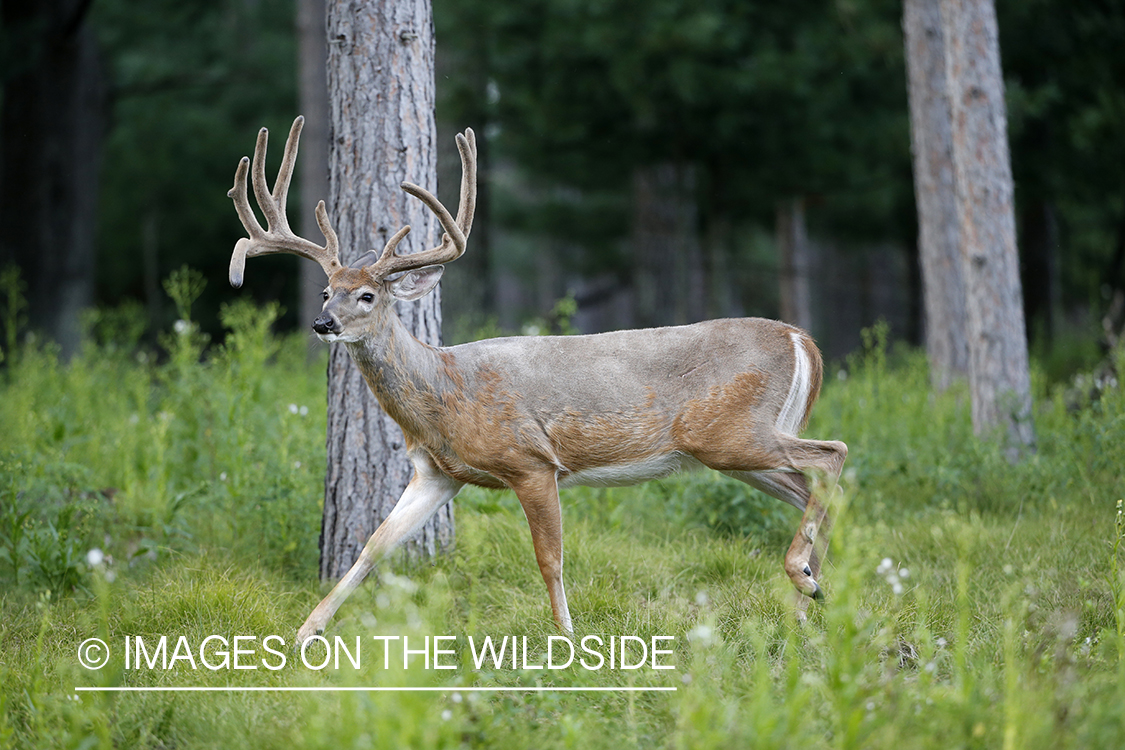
[539, 496]
[427, 492]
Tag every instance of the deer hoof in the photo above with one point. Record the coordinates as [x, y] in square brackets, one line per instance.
[306, 632]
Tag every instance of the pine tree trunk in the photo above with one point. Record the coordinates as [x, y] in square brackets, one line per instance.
[669, 283]
[312, 79]
[50, 145]
[999, 377]
[796, 264]
[932, 142]
[381, 132]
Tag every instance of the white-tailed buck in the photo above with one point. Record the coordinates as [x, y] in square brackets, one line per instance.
[538, 413]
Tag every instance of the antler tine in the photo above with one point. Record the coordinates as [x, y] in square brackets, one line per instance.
[392, 243]
[456, 230]
[285, 172]
[467, 146]
[258, 179]
[277, 237]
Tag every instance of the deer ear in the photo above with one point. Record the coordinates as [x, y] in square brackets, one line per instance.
[364, 260]
[415, 283]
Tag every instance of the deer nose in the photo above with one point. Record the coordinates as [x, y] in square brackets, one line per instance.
[324, 324]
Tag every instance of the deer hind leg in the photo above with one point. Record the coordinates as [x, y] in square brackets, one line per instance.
[539, 496]
[806, 478]
[428, 491]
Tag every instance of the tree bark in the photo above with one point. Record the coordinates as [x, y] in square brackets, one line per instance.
[796, 264]
[50, 148]
[938, 238]
[381, 132]
[312, 84]
[999, 376]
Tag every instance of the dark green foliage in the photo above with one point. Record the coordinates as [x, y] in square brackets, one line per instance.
[774, 100]
[766, 100]
[1063, 70]
[191, 84]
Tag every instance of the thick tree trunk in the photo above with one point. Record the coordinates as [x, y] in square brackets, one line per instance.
[50, 149]
[932, 143]
[312, 84]
[669, 283]
[381, 132]
[796, 264]
[998, 362]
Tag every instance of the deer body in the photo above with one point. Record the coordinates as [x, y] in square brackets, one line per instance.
[643, 403]
[538, 413]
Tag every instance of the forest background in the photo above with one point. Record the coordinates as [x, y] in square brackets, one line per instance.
[654, 162]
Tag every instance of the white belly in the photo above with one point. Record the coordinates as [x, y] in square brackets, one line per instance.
[621, 475]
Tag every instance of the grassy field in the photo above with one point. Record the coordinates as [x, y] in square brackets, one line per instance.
[971, 603]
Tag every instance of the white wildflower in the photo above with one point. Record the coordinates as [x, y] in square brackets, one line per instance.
[703, 634]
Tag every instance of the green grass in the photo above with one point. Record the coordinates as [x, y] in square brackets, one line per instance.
[198, 475]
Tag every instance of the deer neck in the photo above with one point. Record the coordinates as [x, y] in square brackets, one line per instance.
[407, 377]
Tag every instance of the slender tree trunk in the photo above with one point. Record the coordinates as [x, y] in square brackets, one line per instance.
[669, 280]
[50, 148]
[312, 83]
[932, 143]
[998, 362]
[723, 301]
[796, 264]
[1040, 277]
[469, 283]
[381, 132]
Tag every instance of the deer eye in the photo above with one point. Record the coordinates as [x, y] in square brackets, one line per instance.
[367, 297]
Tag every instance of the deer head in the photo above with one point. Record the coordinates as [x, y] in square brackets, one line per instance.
[361, 294]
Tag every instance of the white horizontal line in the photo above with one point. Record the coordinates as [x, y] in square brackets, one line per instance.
[261, 689]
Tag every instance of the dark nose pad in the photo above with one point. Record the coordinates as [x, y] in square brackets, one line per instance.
[324, 324]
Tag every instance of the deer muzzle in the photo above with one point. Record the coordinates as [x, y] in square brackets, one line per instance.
[324, 324]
